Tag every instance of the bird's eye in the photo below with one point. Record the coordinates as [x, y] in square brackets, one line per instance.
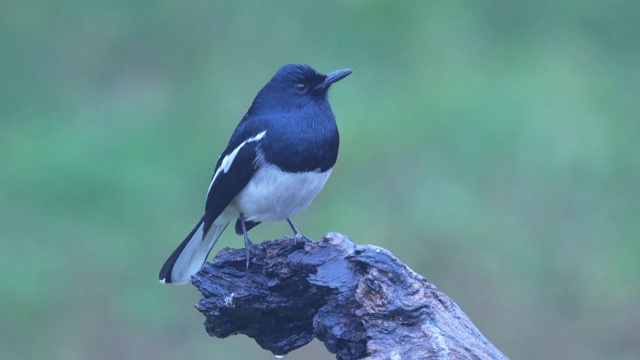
[301, 88]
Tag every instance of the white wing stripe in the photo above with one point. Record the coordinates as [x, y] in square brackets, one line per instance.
[228, 160]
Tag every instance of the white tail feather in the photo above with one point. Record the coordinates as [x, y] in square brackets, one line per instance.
[195, 253]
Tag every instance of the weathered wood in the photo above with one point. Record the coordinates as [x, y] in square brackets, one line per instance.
[359, 300]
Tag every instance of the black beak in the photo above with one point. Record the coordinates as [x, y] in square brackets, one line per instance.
[334, 77]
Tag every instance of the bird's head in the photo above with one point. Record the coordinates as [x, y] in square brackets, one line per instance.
[295, 85]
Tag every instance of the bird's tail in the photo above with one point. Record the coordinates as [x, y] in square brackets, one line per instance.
[189, 257]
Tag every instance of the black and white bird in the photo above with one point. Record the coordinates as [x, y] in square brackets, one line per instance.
[277, 161]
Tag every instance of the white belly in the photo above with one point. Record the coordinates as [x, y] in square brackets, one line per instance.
[274, 195]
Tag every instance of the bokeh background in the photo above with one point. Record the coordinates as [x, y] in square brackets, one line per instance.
[492, 147]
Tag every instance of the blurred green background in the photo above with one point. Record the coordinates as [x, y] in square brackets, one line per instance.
[492, 147]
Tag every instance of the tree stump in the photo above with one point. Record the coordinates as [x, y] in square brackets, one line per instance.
[359, 300]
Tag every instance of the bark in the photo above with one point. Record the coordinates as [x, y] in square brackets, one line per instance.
[359, 300]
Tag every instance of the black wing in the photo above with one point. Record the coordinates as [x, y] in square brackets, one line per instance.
[235, 168]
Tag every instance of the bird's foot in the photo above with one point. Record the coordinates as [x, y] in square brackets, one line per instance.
[298, 238]
[248, 260]
[248, 246]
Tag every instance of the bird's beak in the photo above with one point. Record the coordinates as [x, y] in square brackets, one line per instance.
[334, 77]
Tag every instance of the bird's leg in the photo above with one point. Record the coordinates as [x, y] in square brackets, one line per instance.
[293, 227]
[296, 233]
[247, 243]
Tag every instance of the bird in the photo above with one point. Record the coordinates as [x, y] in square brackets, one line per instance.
[278, 159]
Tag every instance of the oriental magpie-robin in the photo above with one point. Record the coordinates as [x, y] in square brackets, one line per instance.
[277, 161]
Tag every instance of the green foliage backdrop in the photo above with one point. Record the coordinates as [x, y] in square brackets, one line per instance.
[493, 147]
